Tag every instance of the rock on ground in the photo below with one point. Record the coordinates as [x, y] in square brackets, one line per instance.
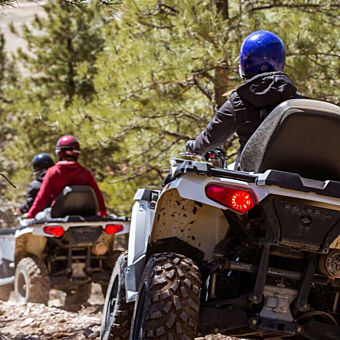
[31, 321]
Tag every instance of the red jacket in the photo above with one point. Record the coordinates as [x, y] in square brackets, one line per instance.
[57, 178]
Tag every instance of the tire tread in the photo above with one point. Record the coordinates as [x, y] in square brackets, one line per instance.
[38, 279]
[120, 330]
[173, 298]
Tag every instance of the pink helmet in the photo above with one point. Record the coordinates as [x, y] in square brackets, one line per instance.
[67, 146]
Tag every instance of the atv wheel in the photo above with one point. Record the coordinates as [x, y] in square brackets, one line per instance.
[78, 296]
[5, 292]
[168, 301]
[32, 283]
[104, 289]
[117, 313]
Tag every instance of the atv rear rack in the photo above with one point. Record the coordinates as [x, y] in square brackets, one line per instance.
[201, 168]
[282, 179]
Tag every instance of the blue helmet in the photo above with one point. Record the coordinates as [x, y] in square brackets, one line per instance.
[261, 51]
[42, 161]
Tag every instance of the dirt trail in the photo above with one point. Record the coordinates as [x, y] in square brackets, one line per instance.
[33, 321]
[39, 322]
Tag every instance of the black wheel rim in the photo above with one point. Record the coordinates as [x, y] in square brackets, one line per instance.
[138, 321]
[111, 305]
[22, 286]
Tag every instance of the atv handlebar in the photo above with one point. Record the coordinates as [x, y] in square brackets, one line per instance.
[216, 156]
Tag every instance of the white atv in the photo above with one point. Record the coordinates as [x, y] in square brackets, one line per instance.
[66, 251]
[252, 253]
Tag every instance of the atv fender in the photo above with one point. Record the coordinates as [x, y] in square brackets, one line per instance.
[335, 244]
[14, 245]
[197, 224]
[26, 242]
[7, 245]
[142, 216]
[198, 221]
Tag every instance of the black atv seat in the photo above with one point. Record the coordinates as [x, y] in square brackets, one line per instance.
[300, 136]
[75, 200]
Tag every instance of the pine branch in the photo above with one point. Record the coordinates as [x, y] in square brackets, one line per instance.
[306, 7]
[316, 54]
[202, 89]
[179, 136]
[86, 2]
[5, 100]
[164, 27]
[135, 175]
[4, 3]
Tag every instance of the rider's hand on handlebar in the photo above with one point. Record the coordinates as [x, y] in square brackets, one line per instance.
[189, 146]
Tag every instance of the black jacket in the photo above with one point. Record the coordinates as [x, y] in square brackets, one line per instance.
[245, 110]
[32, 191]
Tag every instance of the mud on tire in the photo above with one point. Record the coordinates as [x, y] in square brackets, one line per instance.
[32, 283]
[5, 292]
[117, 313]
[168, 299]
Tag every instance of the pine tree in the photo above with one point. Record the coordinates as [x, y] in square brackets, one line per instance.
[9, 78]
[59, 64]
[8, 81]
[60, 45]
[166, 66]
[172, 63]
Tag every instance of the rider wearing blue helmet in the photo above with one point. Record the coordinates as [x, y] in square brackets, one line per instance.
[262, 60]
[41, 162]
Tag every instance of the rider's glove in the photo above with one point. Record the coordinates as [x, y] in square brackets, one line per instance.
[189, 146]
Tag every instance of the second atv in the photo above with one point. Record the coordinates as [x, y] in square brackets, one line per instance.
[67, 252]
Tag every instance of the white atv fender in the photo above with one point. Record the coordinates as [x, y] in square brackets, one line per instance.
[140, 228]
[183, 211]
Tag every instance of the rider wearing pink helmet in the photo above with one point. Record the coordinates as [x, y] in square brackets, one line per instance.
[67, 171]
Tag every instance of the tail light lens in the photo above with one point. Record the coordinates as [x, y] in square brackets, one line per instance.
[113, 228]
[56, 231]
[236, 199]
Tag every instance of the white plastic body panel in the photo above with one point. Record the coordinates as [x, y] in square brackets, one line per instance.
[7, 247]
[140, 229]
[192, 187]
[199, 225]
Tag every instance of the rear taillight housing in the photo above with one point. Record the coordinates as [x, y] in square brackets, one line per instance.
[56, 231]
[113, 228]
[236, 199]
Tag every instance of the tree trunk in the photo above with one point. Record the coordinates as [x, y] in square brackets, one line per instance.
[221, 74]
[220, 86]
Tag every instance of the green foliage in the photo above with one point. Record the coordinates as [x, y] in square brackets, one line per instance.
[4, 3]
[59, 63]
[9, 78]
[169, 64]
[135, 84]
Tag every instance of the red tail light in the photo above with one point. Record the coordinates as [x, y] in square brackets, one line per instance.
[235, 199]
[56, 231]
[113, 228]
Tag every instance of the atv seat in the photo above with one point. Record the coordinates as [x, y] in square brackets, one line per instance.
[75, 200]
[300, 136]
